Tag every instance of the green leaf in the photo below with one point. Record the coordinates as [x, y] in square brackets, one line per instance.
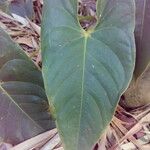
[85, 72]
[22, 8]
[23, 103]
[142, 36]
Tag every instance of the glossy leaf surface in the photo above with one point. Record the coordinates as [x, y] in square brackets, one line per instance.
[23, 103]
[142, 35]
[85, 72]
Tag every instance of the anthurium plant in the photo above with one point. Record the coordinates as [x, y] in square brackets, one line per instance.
[23, 102]
[84, 72]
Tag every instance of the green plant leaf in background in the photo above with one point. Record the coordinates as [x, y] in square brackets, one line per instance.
[85, 72]
[142, 36]
[137, 94]
[23, 8]
[23, 103]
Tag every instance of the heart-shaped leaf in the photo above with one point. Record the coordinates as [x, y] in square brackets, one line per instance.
[85, 72]
[23, 103]
[142, 36]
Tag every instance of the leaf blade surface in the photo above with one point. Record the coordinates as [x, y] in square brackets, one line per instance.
[85, 72]
[23, 102]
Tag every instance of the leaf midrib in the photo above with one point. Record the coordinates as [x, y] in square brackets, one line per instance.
[6, 93]
[82, 86]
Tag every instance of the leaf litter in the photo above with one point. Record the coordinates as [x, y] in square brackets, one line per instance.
[128, 130]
